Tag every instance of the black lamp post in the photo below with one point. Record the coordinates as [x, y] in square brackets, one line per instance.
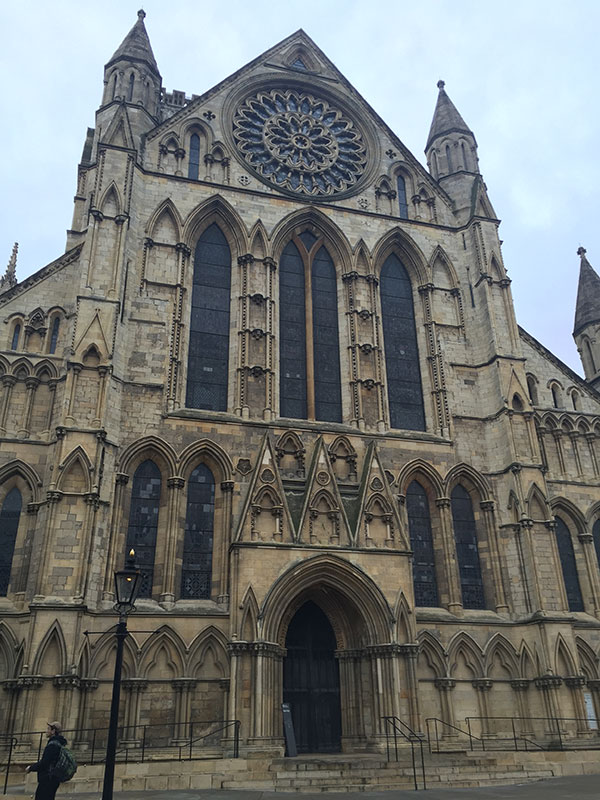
[127, 583]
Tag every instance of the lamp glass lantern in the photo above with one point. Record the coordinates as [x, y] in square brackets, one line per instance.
[127, 584]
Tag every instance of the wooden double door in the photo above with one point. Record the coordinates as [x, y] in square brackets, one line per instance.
[311, 681]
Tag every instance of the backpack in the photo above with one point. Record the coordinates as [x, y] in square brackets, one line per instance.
[65, 767]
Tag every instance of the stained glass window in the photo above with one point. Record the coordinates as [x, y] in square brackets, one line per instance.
[596, 535]
[402, 203]
[9, 525]
[208, 358]
[143, 522]
[298, 399]
[194, 162]
[467, 553]
[15, 338]
[196, 575]
[328, 396]
[568, 564]
[405, 394]
[54, 335]
[292, 326]
[421, 542]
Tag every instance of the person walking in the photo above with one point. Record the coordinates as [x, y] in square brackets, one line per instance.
[47, 783]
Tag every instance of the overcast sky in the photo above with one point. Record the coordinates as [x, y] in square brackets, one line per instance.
[523, 74]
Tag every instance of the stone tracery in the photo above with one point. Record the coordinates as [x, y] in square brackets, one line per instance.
[300, 142]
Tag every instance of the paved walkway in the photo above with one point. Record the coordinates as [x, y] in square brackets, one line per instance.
[578, 787]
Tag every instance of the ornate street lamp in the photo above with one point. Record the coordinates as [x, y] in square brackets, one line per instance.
[127, 582]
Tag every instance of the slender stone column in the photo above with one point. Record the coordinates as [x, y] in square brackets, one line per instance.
[65, 686]
[132, 733]
[445, 687]
[576, 684]
[227, 489]
[482, 686]
[12, 688]
[549, 685]
[121, 480]
[84, 734]
[175, 486]
[50, 414]
[31, 385]
[8, 381]
[591, 565]
[487, 506]
[74, 372]
[411, 653]
[455, 604]
[525, 727]
[590, 438]
[102, 373]
[183, 688]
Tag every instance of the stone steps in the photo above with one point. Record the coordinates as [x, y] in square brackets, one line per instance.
[342, 773]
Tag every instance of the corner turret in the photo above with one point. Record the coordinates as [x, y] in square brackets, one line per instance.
[586, 330]
[131, 75]
[451, 152]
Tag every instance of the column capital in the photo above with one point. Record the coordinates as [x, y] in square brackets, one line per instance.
[575, 681]
[176, 482]
[227, 486]
[520, 684]
[135, 684]
[445, 684]
[482, 684]
[548, 681]
[183, 684]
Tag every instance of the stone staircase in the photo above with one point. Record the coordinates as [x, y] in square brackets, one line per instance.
[336, 773]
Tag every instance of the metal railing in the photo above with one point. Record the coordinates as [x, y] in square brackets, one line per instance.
[544, 733]
[394, 727]
[7, 745]
[169, 742]
[450, 732]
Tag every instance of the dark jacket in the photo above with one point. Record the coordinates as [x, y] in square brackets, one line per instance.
[49, 757]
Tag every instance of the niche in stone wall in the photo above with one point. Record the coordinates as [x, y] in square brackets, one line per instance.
[210, 673]
[160, 254]
[48, 663]
[157, 705]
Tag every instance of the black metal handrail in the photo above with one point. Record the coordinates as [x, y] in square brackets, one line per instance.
[407, 733]
[553, 725]
[10, 742]
[89, 744]
[452, 727]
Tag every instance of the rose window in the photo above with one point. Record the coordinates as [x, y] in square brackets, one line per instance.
[300, 143]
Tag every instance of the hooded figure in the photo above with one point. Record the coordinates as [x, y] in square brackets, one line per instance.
[48, 784]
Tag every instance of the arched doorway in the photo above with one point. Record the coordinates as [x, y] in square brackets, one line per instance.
[311, 681]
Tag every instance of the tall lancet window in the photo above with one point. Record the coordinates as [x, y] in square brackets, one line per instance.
[9, 525]
[568, 564]
[405, 394]
[54, 334]
[196, 574]
[421, 542]
[143, 522]
[194, 162]
[208, 359]
[310, 386]
[402, 202]
[467, 552]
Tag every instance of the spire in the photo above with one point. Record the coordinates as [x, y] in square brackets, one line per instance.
[136, 46]
[10, 276]
[587, 308]
[446, 118]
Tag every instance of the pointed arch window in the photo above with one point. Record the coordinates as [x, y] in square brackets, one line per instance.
[532, 389]
[467, 551]
[405, 393]
[596, 536]
[9, 525]
[131, 85]
[402, 202]
[568, 565]
[143, 522]
[449, 158]
[208, 360]
[15, 337]
[194, 162]
[590, 355]
[54, 335]
[421, 542]
[196, 573]
[310, 385]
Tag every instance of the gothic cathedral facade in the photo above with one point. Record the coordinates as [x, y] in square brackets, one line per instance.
[279, 359]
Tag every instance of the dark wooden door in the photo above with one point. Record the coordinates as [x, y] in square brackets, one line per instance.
[311, 681]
